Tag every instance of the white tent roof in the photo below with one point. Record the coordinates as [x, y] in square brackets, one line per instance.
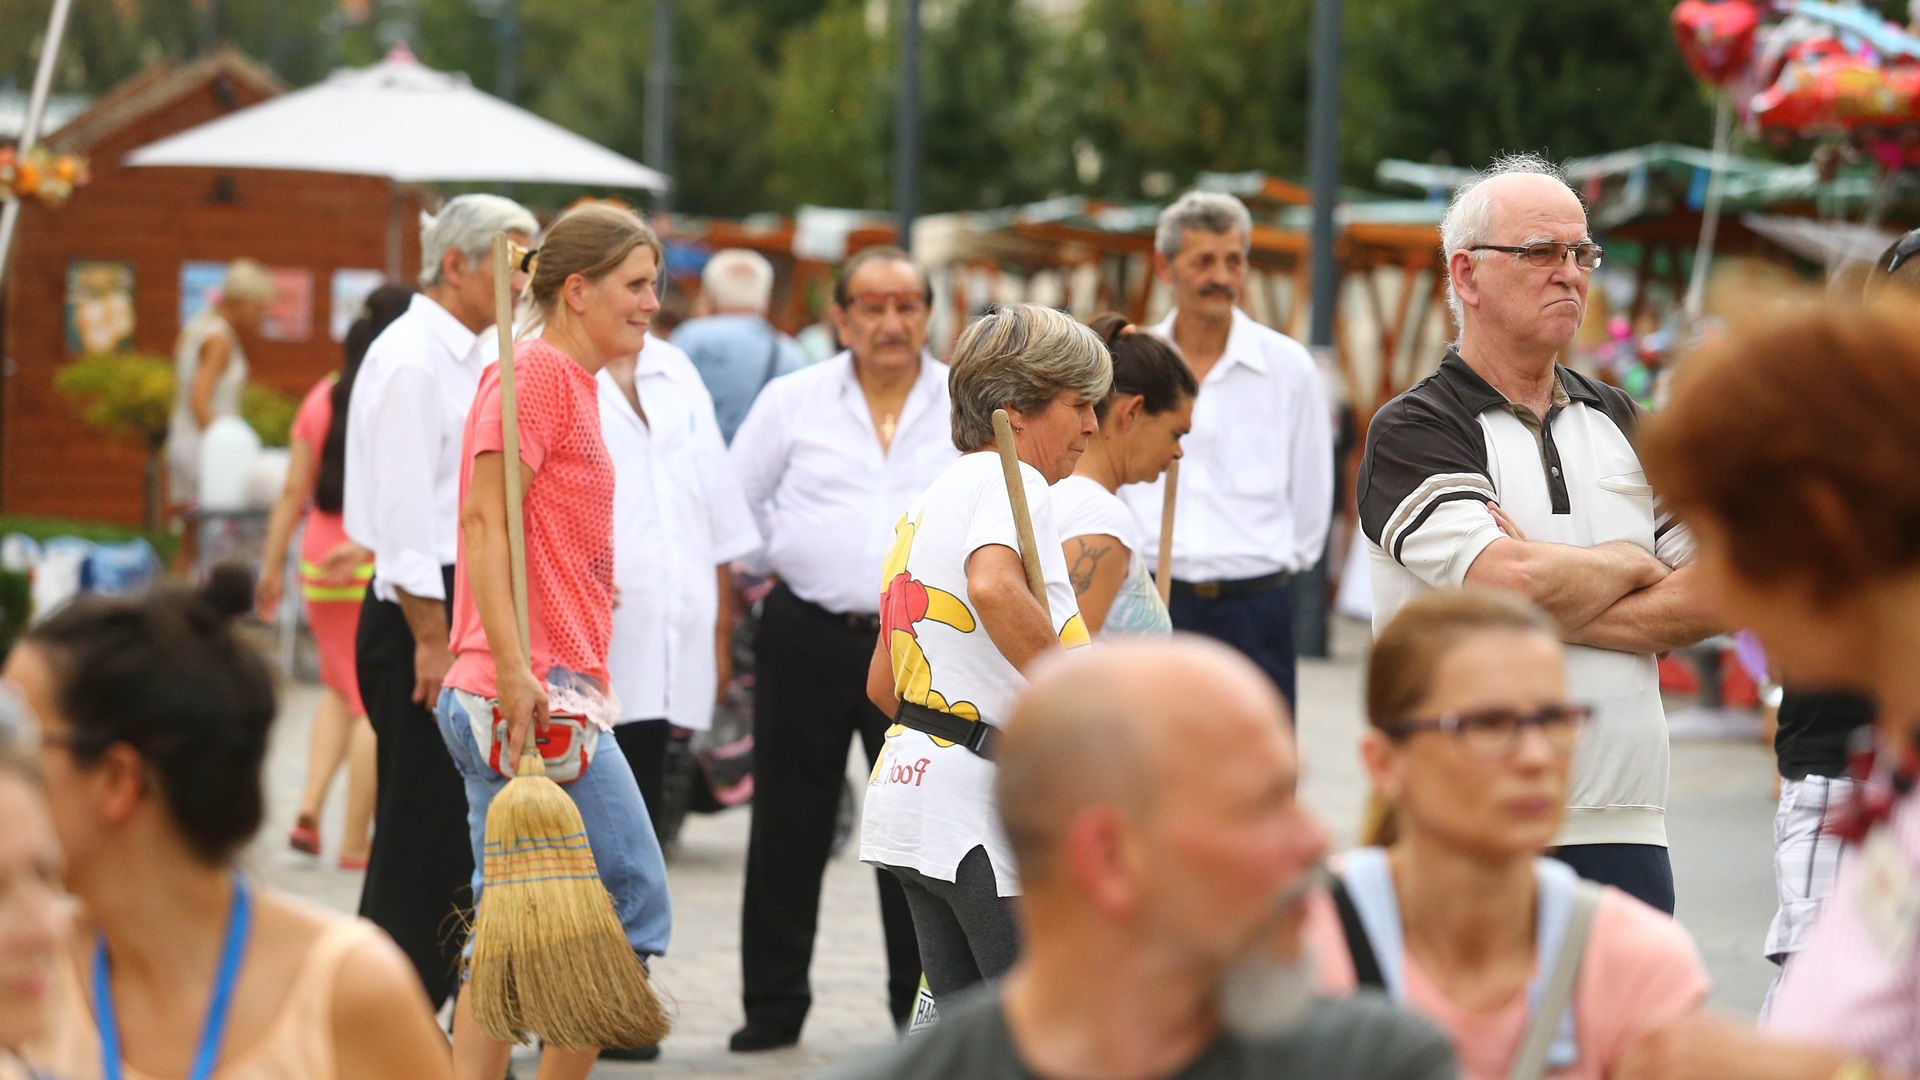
[403, 121]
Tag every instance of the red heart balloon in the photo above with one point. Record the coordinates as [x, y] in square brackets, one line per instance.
[1716, 36]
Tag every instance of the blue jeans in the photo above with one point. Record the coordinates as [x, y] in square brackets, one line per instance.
[1260, 625]
[624, 847]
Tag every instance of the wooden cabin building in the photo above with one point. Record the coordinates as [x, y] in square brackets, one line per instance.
[157, 223]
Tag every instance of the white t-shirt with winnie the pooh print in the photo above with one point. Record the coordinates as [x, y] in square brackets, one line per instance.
[929, 802]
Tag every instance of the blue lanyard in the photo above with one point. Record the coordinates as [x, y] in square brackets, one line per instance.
[215, 1030]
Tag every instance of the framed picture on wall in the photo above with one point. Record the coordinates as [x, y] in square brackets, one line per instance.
[99, 306]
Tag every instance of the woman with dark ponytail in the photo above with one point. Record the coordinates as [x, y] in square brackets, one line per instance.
[153, 720]
[334, 572]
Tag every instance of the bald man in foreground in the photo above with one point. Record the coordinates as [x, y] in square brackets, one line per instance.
[1148, 791]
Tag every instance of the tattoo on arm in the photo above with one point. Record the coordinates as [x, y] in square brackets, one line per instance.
[1085, 560]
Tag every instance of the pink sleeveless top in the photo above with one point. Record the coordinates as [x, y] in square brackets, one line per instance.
[299, 1045]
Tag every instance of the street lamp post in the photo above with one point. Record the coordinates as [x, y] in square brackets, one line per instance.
[659, 133]
[906, 124]
[1323, 177]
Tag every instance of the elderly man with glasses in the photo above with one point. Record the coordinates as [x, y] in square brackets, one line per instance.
[1504, 468]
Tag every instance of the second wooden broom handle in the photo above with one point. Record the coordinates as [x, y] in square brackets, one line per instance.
[1022, 516]
[510, 437]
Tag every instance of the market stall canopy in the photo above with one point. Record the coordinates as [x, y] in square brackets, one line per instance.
[406, 122]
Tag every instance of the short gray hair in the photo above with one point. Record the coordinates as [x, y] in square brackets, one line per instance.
[1205, 211]
[738, 280]
[468, 224]
[1021, 355]
[1469, 216]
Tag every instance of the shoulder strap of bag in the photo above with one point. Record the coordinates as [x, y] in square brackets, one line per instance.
[1366, 969]
[1530, 1063]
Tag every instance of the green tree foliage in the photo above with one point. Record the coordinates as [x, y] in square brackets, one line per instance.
[783, 102]
[1461, 81]
[1175, 87]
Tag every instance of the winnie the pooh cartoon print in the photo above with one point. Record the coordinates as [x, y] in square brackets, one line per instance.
[905, 603]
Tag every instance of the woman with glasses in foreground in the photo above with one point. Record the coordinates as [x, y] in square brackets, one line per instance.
[1451, 909]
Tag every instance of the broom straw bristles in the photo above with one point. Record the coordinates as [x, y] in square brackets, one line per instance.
[550, 957]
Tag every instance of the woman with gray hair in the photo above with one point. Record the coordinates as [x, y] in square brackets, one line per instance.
[210, 370]
[959, 632]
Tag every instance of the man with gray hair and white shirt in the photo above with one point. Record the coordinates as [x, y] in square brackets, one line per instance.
[736, 350]
[1256, 470]
[1505, 469]
[402, 501]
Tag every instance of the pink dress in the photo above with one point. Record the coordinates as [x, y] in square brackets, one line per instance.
[333, 605]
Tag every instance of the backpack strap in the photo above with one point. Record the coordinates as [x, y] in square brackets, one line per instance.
[773, 359]
[1366, 969]
[1368, 885]
[1549, 1025]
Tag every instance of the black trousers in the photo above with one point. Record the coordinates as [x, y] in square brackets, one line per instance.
[644, 744]
[419, 874]
[1642, 871]
[1259, 624]
[810, 678]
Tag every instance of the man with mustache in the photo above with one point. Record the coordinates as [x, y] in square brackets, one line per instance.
[1147, 789]
[1505, 469]
[829, 457]
[1256, 475]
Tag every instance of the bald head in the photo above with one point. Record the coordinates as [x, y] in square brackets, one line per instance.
[1123, 726]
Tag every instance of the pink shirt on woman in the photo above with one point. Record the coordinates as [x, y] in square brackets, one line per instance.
[1640, 970]
[569, 520]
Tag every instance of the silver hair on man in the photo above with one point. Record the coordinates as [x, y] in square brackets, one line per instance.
[1020, 356]
[1203, 211]
[1469, 217]
[738, 280]
[468, 224]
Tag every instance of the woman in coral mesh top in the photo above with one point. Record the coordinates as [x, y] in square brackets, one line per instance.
[593, 287]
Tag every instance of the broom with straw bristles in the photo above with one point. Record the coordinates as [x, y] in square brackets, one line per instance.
[550, 958]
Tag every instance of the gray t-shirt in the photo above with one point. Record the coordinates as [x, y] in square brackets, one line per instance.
[1363, 1037]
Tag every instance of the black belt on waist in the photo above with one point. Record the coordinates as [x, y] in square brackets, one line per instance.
[859, 622]
[1223, 590]
[976, 735]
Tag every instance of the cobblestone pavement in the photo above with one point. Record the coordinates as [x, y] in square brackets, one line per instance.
[1721, 831]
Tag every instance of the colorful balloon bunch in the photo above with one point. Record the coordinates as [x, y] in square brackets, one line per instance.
[41, 174]
[1810, 71]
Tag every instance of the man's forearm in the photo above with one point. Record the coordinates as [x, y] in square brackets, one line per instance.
[1671, 614]
[426, 618]
[1573, 584]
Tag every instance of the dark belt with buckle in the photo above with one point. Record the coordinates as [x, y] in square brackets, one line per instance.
[976, 735]
[1227, 590]
[859, 622]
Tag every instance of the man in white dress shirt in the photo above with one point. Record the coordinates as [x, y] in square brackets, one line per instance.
[829, 458]
[679, 522]
[402, 502]
[1256, 471]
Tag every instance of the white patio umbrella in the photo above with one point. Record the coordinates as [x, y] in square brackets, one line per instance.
[403, 121]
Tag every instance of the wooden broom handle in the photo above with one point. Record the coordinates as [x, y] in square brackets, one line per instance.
[503, 259]
[1163, 566]
[1022, 518]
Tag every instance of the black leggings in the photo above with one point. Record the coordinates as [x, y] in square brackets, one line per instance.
[966, 928]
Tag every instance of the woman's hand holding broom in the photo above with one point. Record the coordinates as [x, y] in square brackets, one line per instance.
[483, 524]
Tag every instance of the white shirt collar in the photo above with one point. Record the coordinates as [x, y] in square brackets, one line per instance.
[449, 331]
[930, 372]
[1242, 345]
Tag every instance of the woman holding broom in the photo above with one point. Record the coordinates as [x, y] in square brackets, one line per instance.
[593, 290]
[959, 628]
